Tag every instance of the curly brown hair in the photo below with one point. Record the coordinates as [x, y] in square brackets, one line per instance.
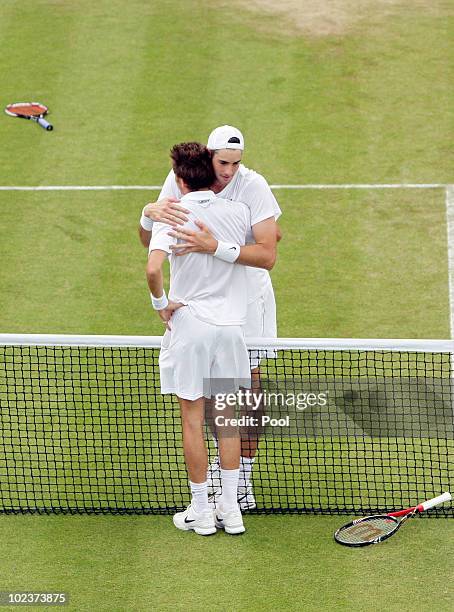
[192, 162]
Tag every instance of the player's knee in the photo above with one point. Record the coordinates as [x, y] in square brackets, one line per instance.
[191, 417]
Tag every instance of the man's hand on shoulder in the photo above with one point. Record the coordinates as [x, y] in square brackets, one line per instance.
[166, 210]
[194, 242]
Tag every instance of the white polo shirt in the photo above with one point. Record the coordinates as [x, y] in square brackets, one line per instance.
[251, 188]
[214, 290]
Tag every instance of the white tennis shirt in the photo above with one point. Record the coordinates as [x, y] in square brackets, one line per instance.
[214, 290]
[251, 188]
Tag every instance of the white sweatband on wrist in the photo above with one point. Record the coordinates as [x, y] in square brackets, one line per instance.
[227, 251]
[159, 303]
[145, 221]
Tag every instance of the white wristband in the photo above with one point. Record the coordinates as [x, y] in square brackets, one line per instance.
[227, 251]
[159, 303]
[145, 221]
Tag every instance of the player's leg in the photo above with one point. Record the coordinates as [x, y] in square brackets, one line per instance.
[194, 448]
[261, 323]
[228, 437]
[228, 512]
[198, 516]
[184, 364]
[250, 438]
[231, 368]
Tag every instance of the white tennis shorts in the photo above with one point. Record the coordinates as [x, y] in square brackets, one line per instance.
[198, 359]
[261, 323]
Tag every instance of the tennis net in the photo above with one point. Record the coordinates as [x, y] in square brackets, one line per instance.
[352, 426]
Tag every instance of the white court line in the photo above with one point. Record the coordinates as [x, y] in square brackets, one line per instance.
[365, 186]
[81, 188]
[158, 187]
[450, 230]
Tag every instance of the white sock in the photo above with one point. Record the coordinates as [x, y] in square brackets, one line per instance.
[199, 492]
[246, 465]
[229, 481]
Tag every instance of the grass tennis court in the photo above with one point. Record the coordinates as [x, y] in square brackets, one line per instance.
[325, 93]
[350, 264]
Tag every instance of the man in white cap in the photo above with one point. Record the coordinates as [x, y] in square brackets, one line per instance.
[233, 182]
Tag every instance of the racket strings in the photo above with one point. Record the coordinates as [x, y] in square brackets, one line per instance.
[367, 530]
[29, 110]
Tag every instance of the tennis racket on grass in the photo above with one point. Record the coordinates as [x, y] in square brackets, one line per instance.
[380, 527]
[30, 110]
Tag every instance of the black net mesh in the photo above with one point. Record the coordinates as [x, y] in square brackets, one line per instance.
[85, 430]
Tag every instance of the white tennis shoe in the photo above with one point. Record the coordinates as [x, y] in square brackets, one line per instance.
[201, 522]
[246, 499]
[231, 521]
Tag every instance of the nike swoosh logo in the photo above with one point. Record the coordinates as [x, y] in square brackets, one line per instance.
[186, 520]
[234, 248]
[219, 519]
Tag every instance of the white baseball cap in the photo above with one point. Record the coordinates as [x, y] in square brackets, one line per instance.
[225, 137]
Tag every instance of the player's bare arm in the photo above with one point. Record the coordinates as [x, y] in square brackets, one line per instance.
[262, 254]
[166, 210]
[145, 237]
[259, 255]
[156, 284]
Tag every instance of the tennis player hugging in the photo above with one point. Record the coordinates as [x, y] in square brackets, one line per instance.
[203, 352]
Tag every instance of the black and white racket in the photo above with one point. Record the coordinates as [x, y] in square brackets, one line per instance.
[380, 527]
[30, 110]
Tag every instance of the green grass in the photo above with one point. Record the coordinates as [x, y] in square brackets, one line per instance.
[80, 269]
[351, 264]
[117, 564]
[363, 264]
[125, 81]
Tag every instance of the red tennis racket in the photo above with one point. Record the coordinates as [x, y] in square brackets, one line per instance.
[380, 527]
[30, 110]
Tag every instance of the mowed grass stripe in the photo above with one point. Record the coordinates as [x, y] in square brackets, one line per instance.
[80, 269]
[142, 563]
[322, 109]
[35, 47]
[362, 264]
[90, 80]
[350, 264]
[392, 78]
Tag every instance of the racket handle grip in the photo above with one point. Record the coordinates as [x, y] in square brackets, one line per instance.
[44, 124]
[436, 501]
